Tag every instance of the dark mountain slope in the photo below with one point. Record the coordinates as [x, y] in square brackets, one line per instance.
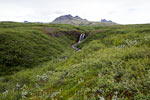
[69, 19]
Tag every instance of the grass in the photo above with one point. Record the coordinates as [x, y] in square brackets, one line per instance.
[28, 45]
[113, 64]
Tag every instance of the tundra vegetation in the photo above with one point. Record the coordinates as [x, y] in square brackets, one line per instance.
[37, 62]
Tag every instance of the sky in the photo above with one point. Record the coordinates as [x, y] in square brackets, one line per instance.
[119, 11]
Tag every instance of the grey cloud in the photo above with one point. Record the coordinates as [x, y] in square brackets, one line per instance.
[121, 11]
[132, 9]
[59, 12]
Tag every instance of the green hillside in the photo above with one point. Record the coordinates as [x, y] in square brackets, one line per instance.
[113, 63]
[28, 45]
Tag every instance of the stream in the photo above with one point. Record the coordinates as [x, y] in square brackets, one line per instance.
[82, 36]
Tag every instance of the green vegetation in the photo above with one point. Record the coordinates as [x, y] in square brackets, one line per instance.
[113, 64]
[28, 45]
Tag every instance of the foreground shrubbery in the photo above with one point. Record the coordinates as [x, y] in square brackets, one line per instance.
[113, 64]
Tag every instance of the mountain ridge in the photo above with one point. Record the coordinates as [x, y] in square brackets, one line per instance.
[69, 19]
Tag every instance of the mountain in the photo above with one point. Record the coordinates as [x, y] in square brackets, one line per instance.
[106, 21]
[69, 19]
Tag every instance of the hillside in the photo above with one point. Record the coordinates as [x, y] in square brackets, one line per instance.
[113, 64]
[28, 45]
[69, 19]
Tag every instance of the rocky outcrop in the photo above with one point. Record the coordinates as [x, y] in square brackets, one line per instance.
[61, 18]
[69, 19]
[106, 21]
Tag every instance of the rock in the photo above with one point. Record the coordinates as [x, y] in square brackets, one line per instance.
[65, 17]
[69, 19]
[106, 21]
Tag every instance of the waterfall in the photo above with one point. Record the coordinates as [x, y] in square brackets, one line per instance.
[81, 38]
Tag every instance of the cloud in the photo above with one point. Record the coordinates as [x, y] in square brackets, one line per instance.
[120, 11]
[131, 9]
[59, 12]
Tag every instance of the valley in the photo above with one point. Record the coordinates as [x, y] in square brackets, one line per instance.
[41, 62]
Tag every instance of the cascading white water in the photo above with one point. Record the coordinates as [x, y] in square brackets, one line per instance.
[81, 38]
